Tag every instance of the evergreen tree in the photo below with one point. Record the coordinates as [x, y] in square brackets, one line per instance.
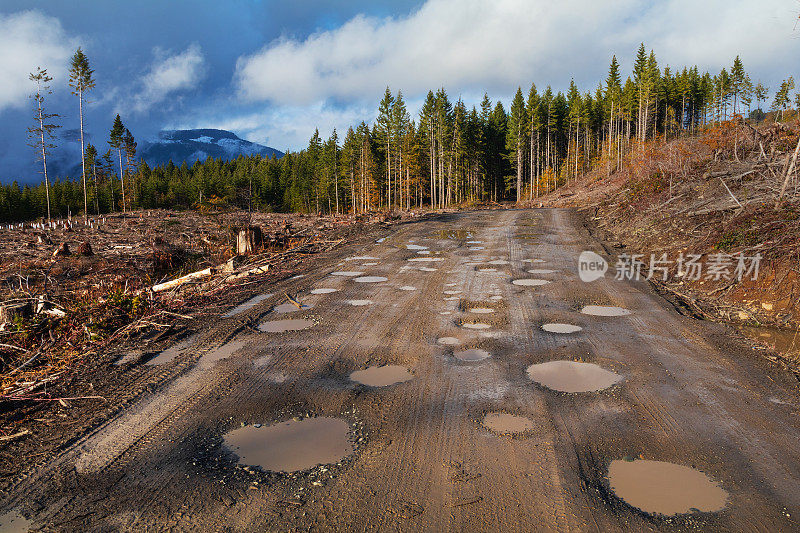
[41, 135]
[81, 81]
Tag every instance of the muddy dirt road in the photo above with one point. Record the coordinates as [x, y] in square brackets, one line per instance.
[466, 428]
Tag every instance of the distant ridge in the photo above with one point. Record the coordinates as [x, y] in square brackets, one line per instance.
[197, 145]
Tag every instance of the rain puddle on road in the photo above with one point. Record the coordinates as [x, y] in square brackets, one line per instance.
[561, 328]
[173, 351]
[604, 310]
[358, 303]
[530, 282]
[249, 304]
[14, 522]
[416, 247]
[496, 297]
[323, 290]
[289, 307]
[533, 260]
[456, 234]
[475, 325]
[452, 291]
[541, 271]
[370, 279]
[448, 341]
[407, 288]
[425, 259]
[281, 326]
[382, 376]
[572, 376]
[471, 355]
[209, 359]
[665, 488]
[476, 248]
[428, 269]
[474, 242]
[499, 262]
[781, 340]
[481, 310]
[361, 258]
[292, 446]
[506, 424]
[347, 273]
[487, 270]
[424, 252]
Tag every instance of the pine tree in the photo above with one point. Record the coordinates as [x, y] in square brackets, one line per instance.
[129, 147]
[81, 81]
[516, 137]
[737, 82]
[115, 141]
[41, 135]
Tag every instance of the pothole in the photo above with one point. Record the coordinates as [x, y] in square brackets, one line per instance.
[555, 327]
[659, 487]
[281, 326]
[448, 341]
[604, 310]
[370, 279]
[292, 446]
[173, 351]
[209, 359]
[475, 325]
[507, 424]
[481, 310]
[572, 376]
[471, 355]
[541, 271]
[323, 290]
[358, 303]
[289, 307]
[529, 282]
[382, 376]
[14, 522]
[347, 273]
[249, 304]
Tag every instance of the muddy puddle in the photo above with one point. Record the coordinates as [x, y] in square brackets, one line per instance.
[428, 269]
[781, 340]
[496, 297]
[665, 488]
[487, 270]
[533, 260]
[347, 273]
[528, 282]
[382, 376]
[448, 341]
[455, 234]
[572, 376]
[249, 304]
[173, 351]
[358, 303]
[209, 359]
[475, 325]
[481, 310]
[289, 307]
[476, 248]
[452, 291]
[604, 310]
[291, 446]
[555, 327]
[471, 355]
[506, 424]
[474, 242]
[499, 262]
[282, 326]
[361, 258]
[425, 259]
[541, 271]
[323, 290]
[407, 288]
[14, 522]
[370, 279]
[415, 247]
[424, 252]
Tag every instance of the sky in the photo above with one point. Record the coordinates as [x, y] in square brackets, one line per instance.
[272, 72]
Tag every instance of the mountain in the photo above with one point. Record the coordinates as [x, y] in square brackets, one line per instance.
[197, 145]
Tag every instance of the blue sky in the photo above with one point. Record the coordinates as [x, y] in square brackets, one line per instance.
[273, 71]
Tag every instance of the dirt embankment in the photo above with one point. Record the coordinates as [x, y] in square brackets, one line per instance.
[712, 195]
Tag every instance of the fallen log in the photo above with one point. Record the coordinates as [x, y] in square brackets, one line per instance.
[194, 276]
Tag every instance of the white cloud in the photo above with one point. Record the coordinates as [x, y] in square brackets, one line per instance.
[29, 39]
[167, 75]
[474, 45]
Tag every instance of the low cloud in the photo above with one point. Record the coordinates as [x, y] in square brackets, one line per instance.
[168, 74]
[30, 39]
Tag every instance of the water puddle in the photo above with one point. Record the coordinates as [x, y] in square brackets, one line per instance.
[471, 355]
[262, 361]
[475, 325]
[474, 242]
[358, 303]
[211, 358]
[665, 488]
[381, 240]
[289, 307]
[382, 376]
[347, 273]
[455, 234]
[533, 260]
[323, 290]
[476, 248]
[173, 351]
[249, 304]
[425, 259]
[370, 279]
[361, 258]
[561, 328]
[424, 252]
[541, 271]
[505, 424]
[416, 247]
[530, 282]
[604, 310]
[14, 522]
[407, 288]
[572, 376]
[451, 291]
[428, 269]
[449, 341]
[292, 446]
[496, 297]
[781, 340]
[368, 264]
[487, 270]
[499, 262]
[281, 326]
[481, 310]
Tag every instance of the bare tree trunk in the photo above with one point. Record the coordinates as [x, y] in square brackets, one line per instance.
[83, 159]
[788, 175]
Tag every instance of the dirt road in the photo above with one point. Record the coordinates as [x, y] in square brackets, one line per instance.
[422, 458]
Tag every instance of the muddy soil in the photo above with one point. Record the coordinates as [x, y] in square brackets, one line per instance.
[421, 454]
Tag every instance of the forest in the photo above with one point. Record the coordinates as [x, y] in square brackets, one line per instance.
[450, 154]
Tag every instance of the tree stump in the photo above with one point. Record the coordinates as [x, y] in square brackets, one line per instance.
[10, 311]
[85, 249]
[62, 250]
[249, 240]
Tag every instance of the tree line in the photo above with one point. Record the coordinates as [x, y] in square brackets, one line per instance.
[449, 154]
